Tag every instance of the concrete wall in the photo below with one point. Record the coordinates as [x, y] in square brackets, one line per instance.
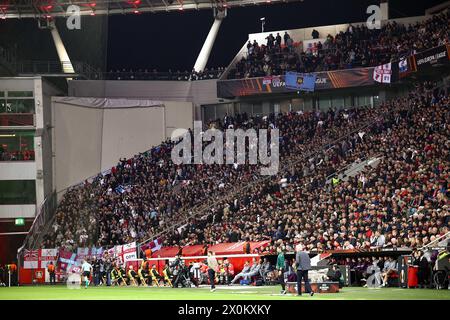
[17, 84]
[46, 136]
[17, 211]
[127, 132]
[77, 136]
[17, 170]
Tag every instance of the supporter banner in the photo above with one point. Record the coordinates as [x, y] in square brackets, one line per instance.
[406, 67]
[31, 259]
[154, 245]
[123, 253]
[276, 84]
[300, 81]
[431, 57]
[312, 45]
[129, 251]
[67, 259]
[34, 259]
[87, 253]
[383, 73]
[46, 256]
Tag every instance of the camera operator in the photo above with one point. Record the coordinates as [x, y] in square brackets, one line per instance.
[101, 271]
[108, 268]
[176, 270]
[182, 273]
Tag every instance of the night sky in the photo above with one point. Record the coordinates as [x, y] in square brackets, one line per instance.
[173, 40]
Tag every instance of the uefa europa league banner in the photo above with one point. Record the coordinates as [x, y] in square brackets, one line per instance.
[277, 84]
[431, 57]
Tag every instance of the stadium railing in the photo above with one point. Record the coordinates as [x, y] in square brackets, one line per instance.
[81, 69]
[438, 243]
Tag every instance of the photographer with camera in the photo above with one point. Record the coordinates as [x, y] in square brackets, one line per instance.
[176, 267]
[182, 273]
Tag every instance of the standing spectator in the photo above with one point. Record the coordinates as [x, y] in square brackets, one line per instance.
[423, 273]
[212, 266]
[281, 267]
[315, 34]
[286, 37]
[278, 40]
[51, 272]
[303, 263]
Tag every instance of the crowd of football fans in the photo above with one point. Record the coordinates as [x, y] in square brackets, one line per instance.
[145, 194]
[212, 73]
[359, 46]
[401, 202]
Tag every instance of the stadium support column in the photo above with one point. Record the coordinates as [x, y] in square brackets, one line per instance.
[203, 56]
[384, 6]
[62, 53]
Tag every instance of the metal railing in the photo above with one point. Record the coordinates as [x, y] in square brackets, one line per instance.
[46, 212]
[81, 69]
[162, 76]
[436, 242]
[351, 166]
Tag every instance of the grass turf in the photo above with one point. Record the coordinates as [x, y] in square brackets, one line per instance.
[61, 292]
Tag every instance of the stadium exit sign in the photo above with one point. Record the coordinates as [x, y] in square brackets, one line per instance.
[20, 222]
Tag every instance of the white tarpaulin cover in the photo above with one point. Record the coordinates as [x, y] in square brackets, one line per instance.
[108, 103]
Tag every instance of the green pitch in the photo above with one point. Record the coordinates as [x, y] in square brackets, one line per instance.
[61, 292]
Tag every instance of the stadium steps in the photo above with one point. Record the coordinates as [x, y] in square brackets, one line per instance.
[354, 169]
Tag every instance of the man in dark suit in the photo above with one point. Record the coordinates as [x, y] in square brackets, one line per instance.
[303, 263]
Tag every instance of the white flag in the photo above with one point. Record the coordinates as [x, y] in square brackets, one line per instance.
[382, 74]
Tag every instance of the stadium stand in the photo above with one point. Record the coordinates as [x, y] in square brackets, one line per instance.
[358, 186]
[358, 47]
[401, 202]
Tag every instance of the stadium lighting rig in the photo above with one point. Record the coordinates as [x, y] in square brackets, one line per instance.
[13, 9]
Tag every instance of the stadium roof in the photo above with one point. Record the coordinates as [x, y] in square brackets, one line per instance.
[59, 8]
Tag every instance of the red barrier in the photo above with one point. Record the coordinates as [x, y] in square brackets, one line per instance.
[30, 276]
[412, 276]
[218, 249]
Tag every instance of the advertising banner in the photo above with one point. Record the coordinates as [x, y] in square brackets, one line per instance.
[429, 58]
[277, 84]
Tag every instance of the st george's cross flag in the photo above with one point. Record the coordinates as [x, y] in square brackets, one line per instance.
[383, 74]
